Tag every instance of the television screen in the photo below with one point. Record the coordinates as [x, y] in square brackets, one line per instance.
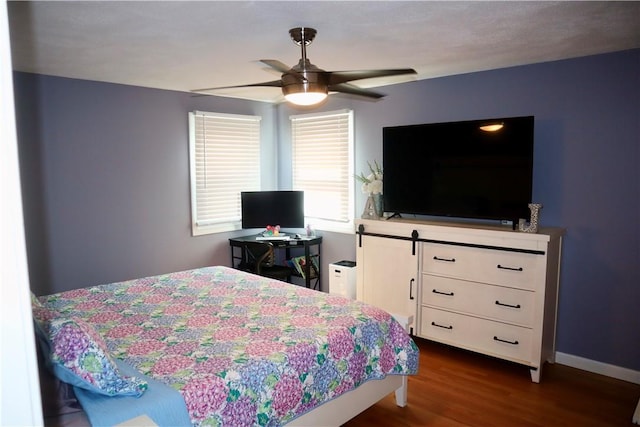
[262, 208]
[457, 169]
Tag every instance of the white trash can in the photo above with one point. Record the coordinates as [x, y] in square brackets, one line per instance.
[342, 279]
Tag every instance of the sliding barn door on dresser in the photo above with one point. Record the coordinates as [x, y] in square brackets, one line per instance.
[486, 289]
[389, 277]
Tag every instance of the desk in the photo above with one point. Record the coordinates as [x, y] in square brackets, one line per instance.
[309, 246]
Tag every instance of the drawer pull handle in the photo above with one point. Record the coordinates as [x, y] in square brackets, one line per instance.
[437, 258]
[506, 341]
[450, 294]
[509, 268]
[411, 288]
[441, 326]
[508, 305]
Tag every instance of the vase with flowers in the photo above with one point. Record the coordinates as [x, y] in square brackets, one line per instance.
[372, 186]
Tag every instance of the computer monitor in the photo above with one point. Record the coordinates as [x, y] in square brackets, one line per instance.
[263, 208]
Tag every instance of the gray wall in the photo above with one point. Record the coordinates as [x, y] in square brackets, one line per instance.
[105, 175]
[107, 196]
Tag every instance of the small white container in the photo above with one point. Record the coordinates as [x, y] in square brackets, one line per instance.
[342, 279]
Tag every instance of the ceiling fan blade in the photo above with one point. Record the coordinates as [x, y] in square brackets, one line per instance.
[354, 90]
[274, 63]
[284, 69]
[274, 83]
[337, 77]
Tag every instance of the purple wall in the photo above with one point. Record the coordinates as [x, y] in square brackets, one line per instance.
[107, 196]
[105, 175]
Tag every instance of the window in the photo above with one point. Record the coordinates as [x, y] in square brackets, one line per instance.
[224, 152]
[322, 146]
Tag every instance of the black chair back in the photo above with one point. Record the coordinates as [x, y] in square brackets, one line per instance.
[260, 258]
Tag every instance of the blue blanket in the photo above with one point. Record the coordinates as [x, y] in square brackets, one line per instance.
[164, 405]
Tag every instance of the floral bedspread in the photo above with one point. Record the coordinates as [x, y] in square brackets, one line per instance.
[242, 349]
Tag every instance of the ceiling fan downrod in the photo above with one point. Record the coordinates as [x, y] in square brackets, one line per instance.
[303, 36]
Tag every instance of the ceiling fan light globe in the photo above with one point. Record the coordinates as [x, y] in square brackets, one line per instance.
[305, 93]
[305, 98]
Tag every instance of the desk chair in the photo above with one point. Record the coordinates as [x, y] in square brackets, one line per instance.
[259, 258]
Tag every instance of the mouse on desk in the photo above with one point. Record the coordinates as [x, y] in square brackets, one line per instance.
[297, 236]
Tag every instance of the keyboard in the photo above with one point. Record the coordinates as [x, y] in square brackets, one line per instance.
[273, 238]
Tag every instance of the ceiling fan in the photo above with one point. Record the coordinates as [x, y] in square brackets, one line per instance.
[306, 84]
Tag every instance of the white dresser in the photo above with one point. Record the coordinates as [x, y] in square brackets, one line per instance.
[483, 288]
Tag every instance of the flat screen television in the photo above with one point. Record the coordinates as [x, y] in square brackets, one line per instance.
[262, 208]
[457, 169]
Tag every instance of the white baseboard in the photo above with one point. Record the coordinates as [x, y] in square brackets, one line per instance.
[596, 367]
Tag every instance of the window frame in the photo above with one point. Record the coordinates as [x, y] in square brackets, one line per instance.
[346, 181]
[203, 226]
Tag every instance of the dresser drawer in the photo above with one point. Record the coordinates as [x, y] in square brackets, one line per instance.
[498, 267]
[484, 336]
[496, 302]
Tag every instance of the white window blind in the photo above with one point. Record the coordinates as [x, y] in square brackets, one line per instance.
[225, 160]
[322, 156]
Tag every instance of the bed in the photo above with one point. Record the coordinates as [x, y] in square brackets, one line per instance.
[217, 346]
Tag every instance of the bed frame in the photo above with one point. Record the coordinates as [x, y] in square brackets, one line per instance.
[333, 413]
[341, 409]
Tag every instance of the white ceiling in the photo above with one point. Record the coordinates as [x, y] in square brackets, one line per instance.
[184, 45]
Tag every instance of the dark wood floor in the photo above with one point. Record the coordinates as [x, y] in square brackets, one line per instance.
[459, 388]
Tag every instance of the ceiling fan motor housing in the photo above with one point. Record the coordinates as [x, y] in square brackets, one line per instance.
[305, 77]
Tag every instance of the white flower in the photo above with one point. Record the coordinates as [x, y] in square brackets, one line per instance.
[376, 186]
[372, 183]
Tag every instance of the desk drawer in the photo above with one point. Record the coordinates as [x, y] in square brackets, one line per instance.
[484, 336]
[498, 267]
[496, 302]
